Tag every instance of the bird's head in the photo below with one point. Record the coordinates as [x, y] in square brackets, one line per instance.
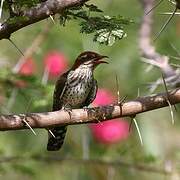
[89, 59]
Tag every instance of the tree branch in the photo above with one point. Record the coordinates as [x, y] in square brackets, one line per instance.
[35, 14]
[80, 116]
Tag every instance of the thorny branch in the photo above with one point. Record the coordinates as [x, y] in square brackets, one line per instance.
[35, 14]
[171, 75]
[96, 114]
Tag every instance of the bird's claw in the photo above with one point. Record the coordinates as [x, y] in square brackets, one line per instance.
[88, 110]
[68, 109]
[91, 111]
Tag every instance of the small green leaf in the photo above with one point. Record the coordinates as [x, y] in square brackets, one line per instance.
[94, 8]
[82, 14]
[104, 36]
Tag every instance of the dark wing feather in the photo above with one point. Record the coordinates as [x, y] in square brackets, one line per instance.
[92, 94]
[55, 143]
[58, 92]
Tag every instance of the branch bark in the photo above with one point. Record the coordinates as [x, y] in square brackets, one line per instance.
[35, 14]
[80, 116]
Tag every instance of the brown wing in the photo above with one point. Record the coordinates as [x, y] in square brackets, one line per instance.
[58, 92]
[55, 144]
[92, 94]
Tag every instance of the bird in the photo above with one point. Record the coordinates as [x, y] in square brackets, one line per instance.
[76, 88]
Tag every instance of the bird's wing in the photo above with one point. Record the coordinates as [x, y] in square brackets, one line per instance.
[55, 143]
[92, 94]
[58, 92]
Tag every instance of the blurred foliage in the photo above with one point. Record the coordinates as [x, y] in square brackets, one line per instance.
[19, 93]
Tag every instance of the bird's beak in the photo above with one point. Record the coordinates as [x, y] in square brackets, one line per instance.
[100, 61]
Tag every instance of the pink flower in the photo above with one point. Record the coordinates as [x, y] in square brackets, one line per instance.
[110, 132]
[103, 97]
[28, 68]
[56, 63]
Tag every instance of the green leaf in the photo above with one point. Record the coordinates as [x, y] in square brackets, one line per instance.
[94, 8]
[82, 14]
[106, 29]
[104, 36]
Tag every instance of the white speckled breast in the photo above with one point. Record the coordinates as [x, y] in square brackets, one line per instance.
[79, 84]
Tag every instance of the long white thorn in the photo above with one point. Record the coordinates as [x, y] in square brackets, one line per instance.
[51, 17]
[29, 127]
[117, 89]
[138, 130]
[1, 7]
[169, 13]
[171, 111]
[51, 133]
[170, 106]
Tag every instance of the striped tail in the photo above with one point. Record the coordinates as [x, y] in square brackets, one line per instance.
[55, 143]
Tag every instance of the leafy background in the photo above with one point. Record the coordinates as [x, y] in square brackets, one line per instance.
[161, 138]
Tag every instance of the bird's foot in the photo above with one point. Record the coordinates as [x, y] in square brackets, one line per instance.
[68, 109]
[89, 110]
[91, 113]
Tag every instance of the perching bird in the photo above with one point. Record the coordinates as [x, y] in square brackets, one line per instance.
[74, 89]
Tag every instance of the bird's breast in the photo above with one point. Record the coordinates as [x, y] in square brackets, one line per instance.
[77, 92]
